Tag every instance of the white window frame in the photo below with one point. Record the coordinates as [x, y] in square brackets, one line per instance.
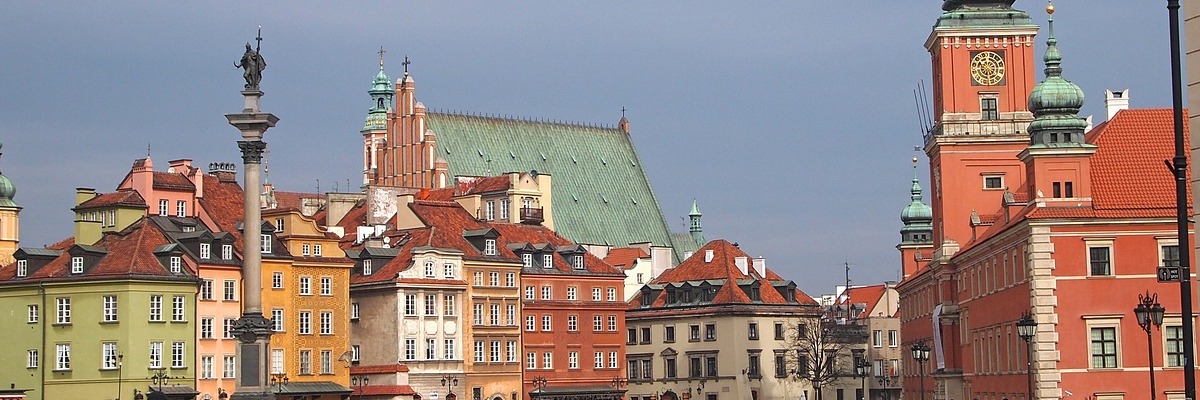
[993, 175]
[306, 285]
[180, 208]
[265, 246]
[62, 357]
[353, 311]
[510, 351]
[276, 280]
[326, 322]
[527, 260]
[1088, 244]
[490, 210]
[367, 268]
[156, 354]
[206, 367]
[478, 278]
[529, 293]
[510, 279]
[277, 320]
[156, 308]
[109, 359]
[206, 328]
[495, 355]
[63, 311]
[448, 270]
[612, 294]
[176, 263]
[227, 252]
[326, 286]
[32, 315]
[178, 309]
[1107, 321]
[229, 367]
[494, 279]
[229, 290]
[548, 260]
[316, 250]
[304, 322]
[163, 207]
[571, 292]
[22, 268]
[205, 251]
[110, 308]
[430, 272]
[31, 358]
[77, 265]
[489, 247]
[547, 292]
[479, 356]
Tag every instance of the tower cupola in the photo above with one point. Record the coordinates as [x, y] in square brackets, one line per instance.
[381, 97]
[916, 216]
[1055, 102]
[695, 229]
[7, 190]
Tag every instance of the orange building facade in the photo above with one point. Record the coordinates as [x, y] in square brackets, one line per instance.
[1033, 212]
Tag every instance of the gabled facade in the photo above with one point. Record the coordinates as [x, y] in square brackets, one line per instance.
[876, 310]
[719, 326]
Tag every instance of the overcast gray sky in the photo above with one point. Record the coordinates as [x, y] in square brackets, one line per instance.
[791, 122]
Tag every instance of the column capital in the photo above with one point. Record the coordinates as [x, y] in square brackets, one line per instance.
[252, 151]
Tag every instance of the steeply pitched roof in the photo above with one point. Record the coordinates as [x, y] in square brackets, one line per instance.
[172, 181]
[868, 295]
[601, 193]
[222, 202]
[129, 253]
[723, 270]
[625, 257]
[123, 197]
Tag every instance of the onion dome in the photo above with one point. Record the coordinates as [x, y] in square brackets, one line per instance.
[381, 97]
[917, 216]
[7, 190]
[1055, 102]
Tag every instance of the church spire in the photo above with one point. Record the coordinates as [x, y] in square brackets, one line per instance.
[381, 98]
[696, 230]
[1055, 101]
[916, 216]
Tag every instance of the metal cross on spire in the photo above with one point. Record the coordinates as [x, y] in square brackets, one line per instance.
[258, 40]
[622, 111]
[405, 64]
[381, 52]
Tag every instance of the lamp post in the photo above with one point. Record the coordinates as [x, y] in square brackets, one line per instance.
[120, 371]
[1027, 328]
[539, 384]
[1149, 313]
[886, 382]
[861, 367]
[1179, 168]
[279, 379]
[449, 382]
[920, 353]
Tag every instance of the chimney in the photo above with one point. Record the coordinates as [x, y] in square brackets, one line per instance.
[86, 231]
[687, 254]
[180, 166]
[1115, 101]
[760, 266]
[708, 255]
[84, 194]
[742, 265]
[225, 172]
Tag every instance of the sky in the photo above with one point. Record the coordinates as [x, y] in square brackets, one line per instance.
[792, 123]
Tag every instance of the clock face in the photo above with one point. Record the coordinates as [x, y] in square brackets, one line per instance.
[987, 68]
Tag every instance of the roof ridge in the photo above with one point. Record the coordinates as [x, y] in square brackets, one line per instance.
[509, 117]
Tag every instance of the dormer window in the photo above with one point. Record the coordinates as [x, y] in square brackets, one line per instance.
[527, 260]
[76, 265]
[367, 267]
[265, 247]
[448, 270]
[647, 299]
[22, 268]
[577, 261]
[754, 294]
[176, 264]
[489, 247]
[429, 272]
[205, 251]
[548, 260]
[227, 252]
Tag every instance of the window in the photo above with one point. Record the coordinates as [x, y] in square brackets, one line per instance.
[229, 367]
[877, 338]
[326, 362]
[778, 331]
[710, 365]
[710, 332]
[612, 359]
[156, 307]
[645, 335]
[545, 293]
[1104, 347]
[205, 251]
[354, 353]
[449, 349]
[494, 318]
[491, 210]
[547, 323]
[577, 261]
[670, 368]
[429, 271]
[495, 357]
[229, 290]
[32, 314]
[573, 360]
[206, 328]
[176, 264]
[110, 308]
[277, 319]
[631, 336]
[226, 252]
[304, 249]
[108, 355]
[669, 334]
[571, 292]
[599, 360]
[597, 323]
[430, 349]
[410, 304]
[177, 309]
[77, 265]
[276, 280]
[530, 323]
[326, 286]
[595, 294]
[1170, 255]
[478, 314]
[753, 369]
[548, 260]
[893, 338]
[612, 294]
[993, 181]
[410, 349]
[989, 109]
[177, 355]
[304, 323]
[22, 268]
[527, 260]
[752, 331]
[494, 279]
[531, 360]
[206, 367]
[781, 364]
[367, 267]
[265, 244]
[529, 293]
[1174, 347]
[180, 208]
[305, 362]
[510, 351]
[62, 356]
[430, 304]
[510, 279]
[317, 250]
[612, 324]
[448, 270]
[227, 328]
[694, 333]
[1068, 188]
[572, 323]
[641, 278]
[206, 289]
[277, 361]
[548, 360]
[478, 278]
[448, 305]
[162, 207]
[1099, 258]
[510, 314]
[305, 286]
[479, 355]
[279, 224]
[489, 247]
[63, 315]
[31, 358]
[156, 349]
[326, 322]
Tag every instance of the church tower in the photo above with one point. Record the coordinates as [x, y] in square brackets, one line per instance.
[983, 60]
[375, 128]
[916, 237]
[694, 216]
[10, 220]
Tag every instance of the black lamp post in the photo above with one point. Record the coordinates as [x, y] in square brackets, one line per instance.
[885, 381]
[279, 379]
[120, 371]
[449, 382]
[1149, 313]
[1027, 328]
[539, 384]
[861, 367]
[920, 353]
[1179, 169]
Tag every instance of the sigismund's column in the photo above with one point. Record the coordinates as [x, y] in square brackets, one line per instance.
[252, 329]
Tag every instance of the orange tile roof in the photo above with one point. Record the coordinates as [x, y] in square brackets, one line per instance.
[383, 390]
[723, 266]
[292, 199]
[173, 181]
[130, 253]
[121, 197]
[625, 257]
[222, 202]
[869, 295]
[479, 185]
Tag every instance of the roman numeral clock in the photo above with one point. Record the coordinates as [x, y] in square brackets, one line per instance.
[987, 68]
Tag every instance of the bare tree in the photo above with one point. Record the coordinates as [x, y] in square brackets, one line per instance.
[822, 351]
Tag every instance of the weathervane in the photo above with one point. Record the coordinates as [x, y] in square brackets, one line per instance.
[252, 63]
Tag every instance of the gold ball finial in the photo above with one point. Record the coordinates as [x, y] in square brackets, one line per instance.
[1050, 7]
[914, 160]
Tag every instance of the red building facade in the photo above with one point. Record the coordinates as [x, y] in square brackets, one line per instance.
[1034, 213]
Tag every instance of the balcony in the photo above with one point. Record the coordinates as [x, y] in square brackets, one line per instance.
[530, 215]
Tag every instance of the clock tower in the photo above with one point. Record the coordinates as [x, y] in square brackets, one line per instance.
[983, 72]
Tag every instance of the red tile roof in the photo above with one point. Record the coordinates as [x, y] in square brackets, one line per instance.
[723, 266]
[869, 295]
[173, 181]
[378, 369]
[130, 253]
[222, 202]
[292, 199]
[383, 390]
[625, 257]
[475, 185]
[121, 197]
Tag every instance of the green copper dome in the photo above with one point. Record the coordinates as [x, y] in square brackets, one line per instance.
[381, 82]
[1055, 101]
[381, 97]
[917, 211]
[7, 190]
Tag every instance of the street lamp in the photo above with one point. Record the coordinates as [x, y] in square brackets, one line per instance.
[920, 353]
[861, 367]
[619, 382]
[1148, 313]
[120, 371]
[449, 381]
[885, 381]
[1027, 328]
[279, 379]
[539, 384]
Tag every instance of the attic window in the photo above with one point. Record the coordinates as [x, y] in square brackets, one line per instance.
[647, 299]
[227, 252]
[205, 251]
[755, 294]
[176, 264]
[577, 261]
[22, 268]
[547, 260]
[527, 260]
[429, 272]
[76, 265]
[265, 246]
[489, 247]
[367, 267]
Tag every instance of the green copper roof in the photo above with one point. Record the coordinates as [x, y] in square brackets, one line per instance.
[916, 212]
[381, 101]
[601, 193]
[1055, 102]
[982, 13]
[7, 190]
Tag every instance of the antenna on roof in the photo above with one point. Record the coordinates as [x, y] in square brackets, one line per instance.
[921, 101]
[847, 291]
[318, 186]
